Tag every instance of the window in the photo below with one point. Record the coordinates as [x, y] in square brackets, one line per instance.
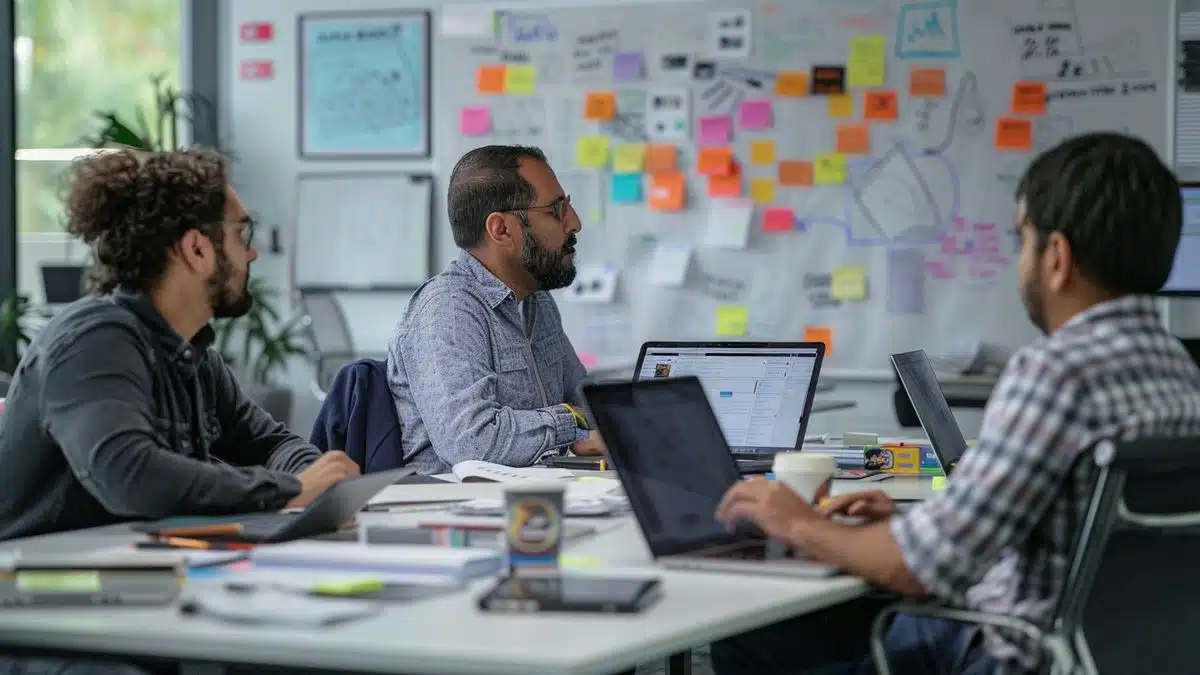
[73, 58]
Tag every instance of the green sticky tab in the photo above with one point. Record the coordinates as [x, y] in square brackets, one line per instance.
[58, 582]
[351, 587]
[939, 483]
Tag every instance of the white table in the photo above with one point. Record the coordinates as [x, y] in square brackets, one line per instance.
[821, 406]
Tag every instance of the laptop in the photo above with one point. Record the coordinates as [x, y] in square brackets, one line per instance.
[327, 514]
[63, 284]
[762, 392]
[933, 410]
[664, 439]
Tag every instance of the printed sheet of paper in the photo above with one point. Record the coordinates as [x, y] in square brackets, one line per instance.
[729, 223]
[594, 283]
[669, 265]
[668, 114]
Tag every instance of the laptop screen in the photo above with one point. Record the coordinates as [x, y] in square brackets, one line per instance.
[929, 402]
[761, 393]
[665, 443]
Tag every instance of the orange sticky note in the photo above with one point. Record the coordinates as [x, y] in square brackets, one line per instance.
[927, 82]
[715, 161]
[660, 158]
[820, 334]
[1014, 133]
[600, 106]
[795, 172]
[841, 105]
[853, 139]
[725, 186]
[791, 83]
[666, 191]
[762, 151]
[490, 80]
[1029, 98]
[881, 106]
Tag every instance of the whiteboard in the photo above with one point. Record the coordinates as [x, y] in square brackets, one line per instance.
[917, 242]
[363, 231]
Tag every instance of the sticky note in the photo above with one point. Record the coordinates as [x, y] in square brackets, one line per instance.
[667, 191]
[1014, 133]
[661, 157]
[927, 82]
[778, 219]
[725, 186]
[938, 484]
[849, 283]
[755, 115]
[715, 161]
[791, 83]
[881, 106]
[626, 188]
[600, 106]
[840, 106]
[519, 79]
[629, 66]
[853, 139]
[823, 334]
[762, 190]
[762, 151]
[795, 173]
[715, 130]
[490, 80]
[733, 320]
[591, 151]
[829, 169]
[579, 562]
[865, 67]
[1029, 98]
[475, 120]
[629, 158]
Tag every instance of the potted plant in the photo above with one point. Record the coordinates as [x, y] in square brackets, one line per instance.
[172, 107]
[14, 335]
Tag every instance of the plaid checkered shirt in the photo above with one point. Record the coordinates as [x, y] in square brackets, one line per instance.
[999, 538]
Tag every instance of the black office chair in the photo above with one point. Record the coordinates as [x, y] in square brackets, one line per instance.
[329, 332]
[1129, 603]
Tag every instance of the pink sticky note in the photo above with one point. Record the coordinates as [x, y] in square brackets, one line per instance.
[715, 130]
[939, 269]
[475, 120]
[588, 360]
[754, 115]
[778, 219]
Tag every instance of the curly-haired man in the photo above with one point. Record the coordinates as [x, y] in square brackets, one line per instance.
[120, 409]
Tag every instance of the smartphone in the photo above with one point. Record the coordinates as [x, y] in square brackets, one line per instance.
[560, 593]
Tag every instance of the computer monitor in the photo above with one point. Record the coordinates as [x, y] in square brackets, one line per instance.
[1185, 273]
[762, 392]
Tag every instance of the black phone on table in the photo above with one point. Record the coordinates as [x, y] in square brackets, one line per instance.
[564, 593]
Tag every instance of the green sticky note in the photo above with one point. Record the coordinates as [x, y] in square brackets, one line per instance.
[58, 582]
[579, 561]
[939, 483]
[348, 587]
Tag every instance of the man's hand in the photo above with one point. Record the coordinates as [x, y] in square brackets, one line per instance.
[774, 507]
[591, 447]
[329, 468]
[872, 506]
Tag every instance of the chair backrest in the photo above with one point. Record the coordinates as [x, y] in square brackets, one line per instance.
[359, 417]
[1131, 603]
[329, 332]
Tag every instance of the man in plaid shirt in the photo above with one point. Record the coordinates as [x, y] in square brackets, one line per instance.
[1099, 218]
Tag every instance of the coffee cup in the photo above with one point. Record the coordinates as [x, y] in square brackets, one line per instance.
[533, 525]
[808, 474]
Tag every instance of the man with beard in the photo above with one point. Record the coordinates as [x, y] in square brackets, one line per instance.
[1099, 218]
[120, 409]
[479, 366]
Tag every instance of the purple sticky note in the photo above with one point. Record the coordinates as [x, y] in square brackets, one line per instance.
[755, 115]
[475, 120]
[629, 66]
[715, 130]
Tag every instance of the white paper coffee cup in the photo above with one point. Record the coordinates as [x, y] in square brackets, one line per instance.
[808, 474]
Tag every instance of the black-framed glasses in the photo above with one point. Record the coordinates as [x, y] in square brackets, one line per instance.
[248, 226]
[557, 208]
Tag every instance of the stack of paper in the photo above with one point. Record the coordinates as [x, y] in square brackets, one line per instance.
[460, 563]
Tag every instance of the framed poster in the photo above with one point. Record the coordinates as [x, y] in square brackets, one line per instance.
[363, 80]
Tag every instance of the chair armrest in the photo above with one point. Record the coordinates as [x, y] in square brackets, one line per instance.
[1063, 659]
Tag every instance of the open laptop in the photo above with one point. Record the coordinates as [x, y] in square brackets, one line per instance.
[933, 410]
[328, 513]
[762, 392]
[664, 439]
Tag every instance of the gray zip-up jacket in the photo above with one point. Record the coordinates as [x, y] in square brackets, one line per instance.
[474, 377]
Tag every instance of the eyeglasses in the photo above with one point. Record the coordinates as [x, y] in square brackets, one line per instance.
[247, 231]
[558, 208]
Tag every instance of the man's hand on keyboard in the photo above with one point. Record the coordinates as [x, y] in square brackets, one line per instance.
[330, 468]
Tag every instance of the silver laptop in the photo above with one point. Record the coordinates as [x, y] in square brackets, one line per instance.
[933, 410]
[664, 440]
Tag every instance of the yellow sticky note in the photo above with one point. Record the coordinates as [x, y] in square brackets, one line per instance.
[732, 320]
[629, 158]
[865, 67]
[578, 562]
[829, 169]
[939, 483]
[763, 190]
[762, 152]
[841, 105]
[519, 79]
[591, 151]
[849, 283]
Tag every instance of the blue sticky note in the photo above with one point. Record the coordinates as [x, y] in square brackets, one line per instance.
[626, 188]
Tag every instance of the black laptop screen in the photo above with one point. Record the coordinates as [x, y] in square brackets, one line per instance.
[665, 442]
[932, 408]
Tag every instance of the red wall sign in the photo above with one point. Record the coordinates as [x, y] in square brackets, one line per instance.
[257, 69]
[256, 31]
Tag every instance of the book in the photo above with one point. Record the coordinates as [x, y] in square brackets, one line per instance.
[474, 470]
[441, 561]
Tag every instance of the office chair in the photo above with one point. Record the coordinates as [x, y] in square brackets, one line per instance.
[329, 332]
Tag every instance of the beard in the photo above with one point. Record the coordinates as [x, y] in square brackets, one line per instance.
[227, 301]
[1033, 297]
[550, 269]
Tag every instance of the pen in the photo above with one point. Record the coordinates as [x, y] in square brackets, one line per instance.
[201, 530]
[197, 544]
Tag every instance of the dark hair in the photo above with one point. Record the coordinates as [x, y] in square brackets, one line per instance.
[133, 207]
[1117, 204]
[486, 180]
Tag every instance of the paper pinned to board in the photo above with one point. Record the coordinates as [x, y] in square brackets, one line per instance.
[669, 265]
[729, 224]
